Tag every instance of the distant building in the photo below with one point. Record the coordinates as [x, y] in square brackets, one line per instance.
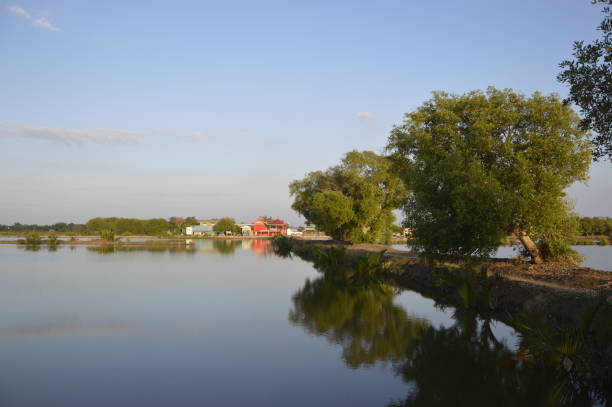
[264, 227]
[293, 232]
[309, 230]
[199, 230]
[246, 229]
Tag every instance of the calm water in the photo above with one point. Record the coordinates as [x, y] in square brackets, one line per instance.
[597, 257]
[231, 324]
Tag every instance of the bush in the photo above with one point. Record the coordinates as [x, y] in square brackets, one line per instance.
[32, 239]
[107, 235]
[52, 239]
[559, 250]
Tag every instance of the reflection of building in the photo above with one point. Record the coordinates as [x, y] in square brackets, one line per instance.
[265, 227]
[262, 247]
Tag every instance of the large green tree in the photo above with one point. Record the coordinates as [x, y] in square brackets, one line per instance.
[485, 164]
[226, 225]
[352, 201]
[589, 76]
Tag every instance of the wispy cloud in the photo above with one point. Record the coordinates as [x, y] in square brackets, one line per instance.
[40, 19]
[76, 136]
[364, 116]
[20, 12]
[195, 135]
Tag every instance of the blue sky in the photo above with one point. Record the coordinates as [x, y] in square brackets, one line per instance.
[158, 108]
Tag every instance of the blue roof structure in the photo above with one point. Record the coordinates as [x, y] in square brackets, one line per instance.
[202, 228]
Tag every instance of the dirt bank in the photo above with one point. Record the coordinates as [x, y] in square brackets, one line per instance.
[558, 291]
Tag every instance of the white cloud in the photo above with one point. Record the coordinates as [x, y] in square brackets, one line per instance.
[41, 19]
[75, 136]
[43, 22]
[364, 116]
[20, 12]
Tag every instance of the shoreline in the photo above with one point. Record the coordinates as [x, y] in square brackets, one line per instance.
[560, 292]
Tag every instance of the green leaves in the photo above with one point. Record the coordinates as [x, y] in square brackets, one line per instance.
[226, 225]
[589, 77]
[352, 201]
[485, 164]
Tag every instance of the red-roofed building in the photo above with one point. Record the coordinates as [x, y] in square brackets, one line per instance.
[263, 227]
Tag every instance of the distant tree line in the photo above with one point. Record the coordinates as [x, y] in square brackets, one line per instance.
[60, 227]
[156, 226]
[595, 226]
[118, 226]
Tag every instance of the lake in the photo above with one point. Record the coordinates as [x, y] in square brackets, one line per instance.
[597, 257]
[232, 324]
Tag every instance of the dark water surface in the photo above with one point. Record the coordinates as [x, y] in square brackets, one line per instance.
[231, 324]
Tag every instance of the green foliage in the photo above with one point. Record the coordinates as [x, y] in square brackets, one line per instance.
[396, 229]
[595, 226]
[107, 235]
[485, 164]
[554, 243]
[153, 227]
[282, 246]
[226, 225]
[352, 201]
[190, 221]
[473, 286]
[589, 77]
[60, 227]
[32, 239]
[52, 239]
[575, 354]
[365, 322]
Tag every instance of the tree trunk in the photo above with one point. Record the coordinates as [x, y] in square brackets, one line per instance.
[531, 248]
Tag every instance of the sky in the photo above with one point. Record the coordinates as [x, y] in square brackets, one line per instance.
[209, 109]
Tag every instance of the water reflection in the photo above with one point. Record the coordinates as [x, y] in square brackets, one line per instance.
[224, 247]
[366, 322]
[460, 365]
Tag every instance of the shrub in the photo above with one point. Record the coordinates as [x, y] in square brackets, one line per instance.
[107, 235]
[52, 239]
[32, 239]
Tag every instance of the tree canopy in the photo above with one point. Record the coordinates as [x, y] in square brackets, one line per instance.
[226, 225]
[589, 76]
[485, 164]
[595, 226]
[351, 201]
[155, 226]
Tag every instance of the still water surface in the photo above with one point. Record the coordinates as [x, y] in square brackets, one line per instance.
[597, 257]
[231, 324]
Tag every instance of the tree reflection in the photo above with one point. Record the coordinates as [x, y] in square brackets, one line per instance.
[366, 322]
[112, 249]
[465, 365]
[461, 365]
[225, 247]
